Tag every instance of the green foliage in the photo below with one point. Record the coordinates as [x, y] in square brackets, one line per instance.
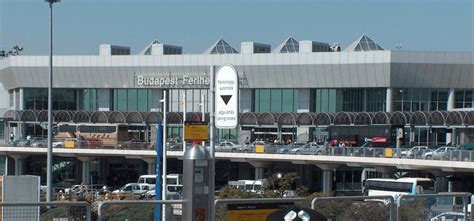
[276, 187]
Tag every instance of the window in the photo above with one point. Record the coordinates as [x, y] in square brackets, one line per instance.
[276, 100]
[37, 99]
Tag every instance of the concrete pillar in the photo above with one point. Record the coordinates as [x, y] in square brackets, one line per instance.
[151, 165]
[412, 135]
[451, 99]
[86, 169]
[327, 178]
[279, 131]
[19, 164]
[6, 172]
[259, 173]
[259, 168]
[303, 134]
[21, 99]
[389, 100]
[441, 184]
[19, 167]
[365, 100]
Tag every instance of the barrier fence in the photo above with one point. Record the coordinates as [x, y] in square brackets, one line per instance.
[434, 207]
[140, 210]
[77, 211]
[355, 208]
[253, 209]
[426, 207]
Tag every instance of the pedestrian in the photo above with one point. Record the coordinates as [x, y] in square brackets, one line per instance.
[12, 137]
[247, 141]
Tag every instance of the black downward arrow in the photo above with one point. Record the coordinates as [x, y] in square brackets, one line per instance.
[226, 98]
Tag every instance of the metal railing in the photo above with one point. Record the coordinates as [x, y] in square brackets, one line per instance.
[139, 209]
[77, 211]
[221, 205]
[351, 207]
[434, 207]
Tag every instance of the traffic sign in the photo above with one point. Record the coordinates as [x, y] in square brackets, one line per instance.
[227, 97]
[196, 131]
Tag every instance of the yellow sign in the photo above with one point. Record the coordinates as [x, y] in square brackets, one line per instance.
[253, 212]
[259, 148]
[388, 152]
[196, 131]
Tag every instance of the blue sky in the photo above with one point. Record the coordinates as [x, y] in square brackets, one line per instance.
[81, 25]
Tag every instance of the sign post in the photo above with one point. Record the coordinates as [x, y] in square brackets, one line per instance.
[226, 98]
[224, 88]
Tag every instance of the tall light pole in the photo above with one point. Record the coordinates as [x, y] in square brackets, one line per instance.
[49, 172]
[164, 172]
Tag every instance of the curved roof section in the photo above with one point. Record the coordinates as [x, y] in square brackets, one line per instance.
[289, 45]
[221, 47]
[364, 43]
[418, 118]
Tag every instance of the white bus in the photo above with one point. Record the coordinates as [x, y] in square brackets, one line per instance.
[397, 187]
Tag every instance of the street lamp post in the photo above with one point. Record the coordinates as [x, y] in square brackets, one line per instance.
[49, 172]
[164, 172]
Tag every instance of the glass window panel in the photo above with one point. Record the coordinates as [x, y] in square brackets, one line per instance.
[276, 102]
[287, 101]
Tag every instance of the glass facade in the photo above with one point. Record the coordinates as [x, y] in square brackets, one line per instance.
[276, 100]
[193, 100]
[37, 99]
[351, 100]
[132, 100]
[419, 99]
[376, 99]
[464, 99]
[231, 135]
[89, 99]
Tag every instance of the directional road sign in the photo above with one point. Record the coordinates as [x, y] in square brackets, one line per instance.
[227, 97]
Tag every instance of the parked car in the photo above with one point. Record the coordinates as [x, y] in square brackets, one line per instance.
[439, 154]
[134, 145]
[91, 143]
[463, 152]
[44, 143]
[250, 148]
[414, 152]
[227, 146]
[309, 148]
[133, 188]
[285, 149]
[22, 142]
[179, 146]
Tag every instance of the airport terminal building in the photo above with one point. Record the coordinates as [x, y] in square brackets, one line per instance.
[291, 92]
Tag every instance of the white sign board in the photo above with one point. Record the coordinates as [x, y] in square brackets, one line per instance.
[227, 97]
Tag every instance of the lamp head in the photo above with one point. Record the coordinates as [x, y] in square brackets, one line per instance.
[52, 1]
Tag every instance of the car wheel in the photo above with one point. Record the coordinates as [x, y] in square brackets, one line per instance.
[39, 145]
[246, 151]
[59, 146]
[429, 157]
[319, 153]
[403, 156]
[297, 152]
[234, 150]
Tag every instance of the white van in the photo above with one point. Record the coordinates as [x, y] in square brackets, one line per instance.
[147, 179]
[133, 188]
